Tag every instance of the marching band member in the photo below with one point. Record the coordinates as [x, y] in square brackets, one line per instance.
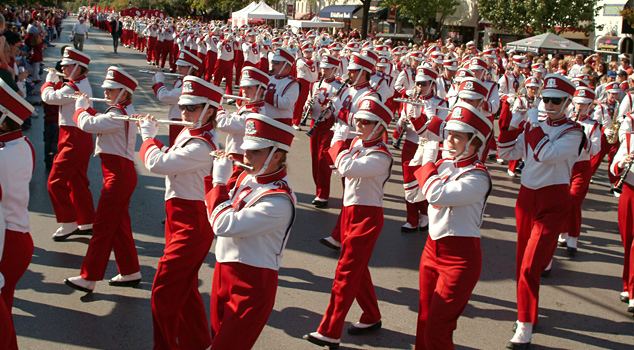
[620, 167]
[581, 171]
[151, 32]
[456, 189]
[211, 57]
[178, 312]
[424, 92]
[450, 67]
[16, 168]
[115, 146]
[366, 166]
[491, 103]
[283, 89]
[67, 182]
[320, 139]
[605, 115]
[187, 64]
[405, 80]
[252, 224]
[251, 49]
[224, 63]
[549, 148]
[307, 73]
[253, 86]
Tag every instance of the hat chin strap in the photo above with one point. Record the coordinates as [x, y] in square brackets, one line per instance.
[198, 123]
[267, 161]
[116, 100]
[462, 154]
[72, 72]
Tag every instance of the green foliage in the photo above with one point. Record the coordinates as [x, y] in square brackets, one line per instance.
[539, 16]
[424, 13]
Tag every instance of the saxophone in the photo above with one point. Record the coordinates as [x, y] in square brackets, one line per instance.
[616, 125]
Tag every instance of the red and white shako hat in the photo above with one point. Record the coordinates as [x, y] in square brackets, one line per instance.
[613, 88]
[329, 61]
[117, 78]
[357, 61]
[490, 52]
[371, 54]
[417, 55]
[450, 63]
[462, 74]
[425, 74]
[472, 88]
[198, 91]
[13, 105]
[579, 82]
[371, 108]
[384, 62]
[477, 63]
[282, 54]
[584, 95]
[307, 46]
[520, 61]
[261, 132]
[466, 118]
[186, 58]
[252, 76]
[557, 85]
[437, 57]
[533, 82]
[72, 56]
[336, 46]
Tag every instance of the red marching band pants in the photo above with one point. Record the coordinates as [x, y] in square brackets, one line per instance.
[242, 298]
[151, 48]
[579, 185]
[166, 48]
[626, 228]
[449, 271]
[178, 312]
[540, 218]
[15, 260]
[224, 69]
[239, 63]
[304, 89]
[67, 182]
[360, 228]
[112, 229]
[210, 64]
[414, 210]
[319, 145]
[610, 151]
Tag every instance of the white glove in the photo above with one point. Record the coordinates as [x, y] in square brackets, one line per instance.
[222, 170]
[533, 115]
[158, 77]
[148, 129]
[340, 134]
[52, 77]
[82, 103]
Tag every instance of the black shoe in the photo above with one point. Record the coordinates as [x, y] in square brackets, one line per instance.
[132, 283]
[64, 237]
[562, 244]
[572, 252]
[546, 273]
[86, 232]
[320, 342]
[76, 287]
[328, 244]
[518, 346]
[624, 298]
[320, 204]
[352, 330]
[405, 229]
[630, 309]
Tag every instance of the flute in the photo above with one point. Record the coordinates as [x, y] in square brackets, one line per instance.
[135, 118]
[94, 99]
[167, 74]
[49, 69]
[235, 97]
[235, 162]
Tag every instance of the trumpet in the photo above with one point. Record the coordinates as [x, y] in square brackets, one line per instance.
[154, 72]
[418, 103]
[235, 162]
[94, 99]
[138, 118]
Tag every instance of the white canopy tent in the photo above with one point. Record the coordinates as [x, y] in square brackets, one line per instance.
[258, 11]
[314, 23]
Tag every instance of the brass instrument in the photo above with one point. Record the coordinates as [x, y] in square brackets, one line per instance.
[327, 109]
[616, 125]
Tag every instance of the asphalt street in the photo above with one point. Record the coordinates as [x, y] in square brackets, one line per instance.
[579, 304]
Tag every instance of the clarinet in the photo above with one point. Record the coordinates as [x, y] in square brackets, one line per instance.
[621, 182]
[308, 108]
[397, 144]
[326, 110]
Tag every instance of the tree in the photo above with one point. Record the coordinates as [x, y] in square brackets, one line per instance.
[425, 13]
[539, 16]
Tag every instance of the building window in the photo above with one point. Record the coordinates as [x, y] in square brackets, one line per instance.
[612, 10]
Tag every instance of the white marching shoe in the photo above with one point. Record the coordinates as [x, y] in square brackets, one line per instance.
[624, 296]
[330, 243]
[80, 284]
[522, 337]
[561, 241]
[321, 340]
[423, 222]
[66, 230]
[630, 306]
[131, 280]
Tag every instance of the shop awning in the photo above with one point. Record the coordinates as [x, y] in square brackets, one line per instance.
[378, 12]
[339, 11]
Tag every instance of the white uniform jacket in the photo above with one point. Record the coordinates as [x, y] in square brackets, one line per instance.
[457, 192]
[549, 151]
[405, 80]
[251, 52]
[54, 94]
[366, 167]
[592, 146]
[185, 164]
[233, 125]
[626, 147]
[16, 168]
[307, 69]
[253, 222]
[348, 103]
[116, 137]
[286, 93]
[169, 97]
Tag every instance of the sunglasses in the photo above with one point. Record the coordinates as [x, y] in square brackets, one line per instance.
[189, 108]
[553, 100]
[423, 83]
